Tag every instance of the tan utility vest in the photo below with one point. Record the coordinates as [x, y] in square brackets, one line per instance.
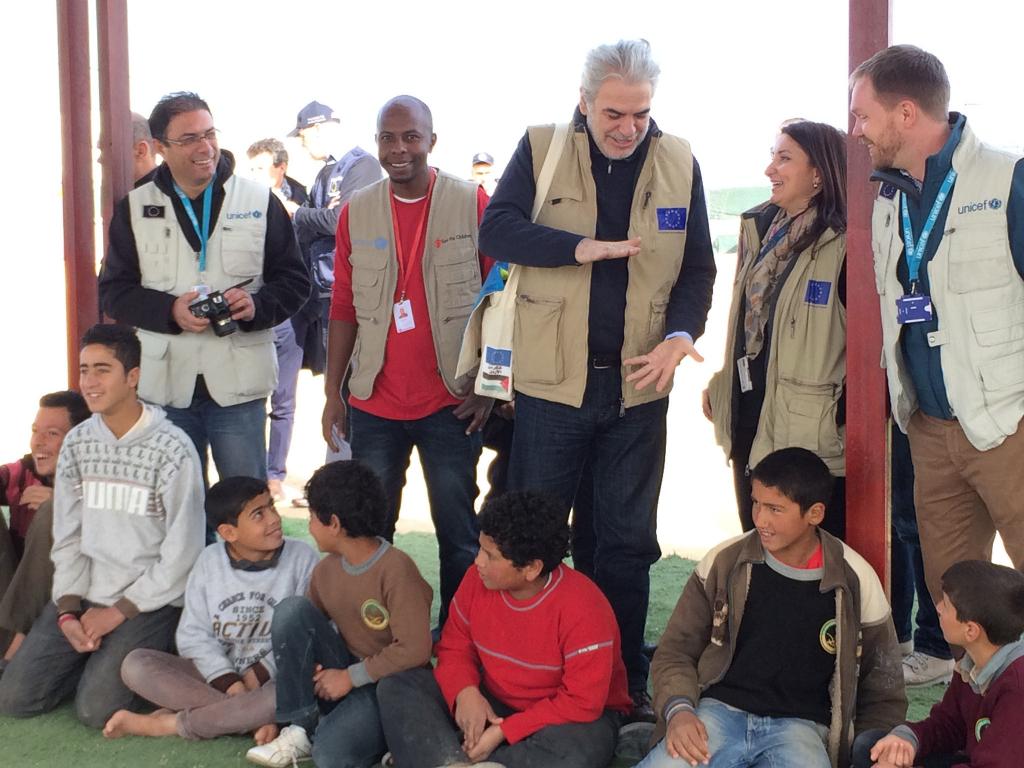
[237, 368]
[553, 304]
[806, 368]
[978, 297]
[451, 275]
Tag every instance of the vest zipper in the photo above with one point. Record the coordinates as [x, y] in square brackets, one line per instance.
[609, 167]
[647, 199]
[622, 407]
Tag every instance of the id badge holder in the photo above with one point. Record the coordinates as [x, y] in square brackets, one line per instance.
[913, 308]
[743, 370]
[404, 320]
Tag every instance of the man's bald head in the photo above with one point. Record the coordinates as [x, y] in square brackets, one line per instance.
[411, 105]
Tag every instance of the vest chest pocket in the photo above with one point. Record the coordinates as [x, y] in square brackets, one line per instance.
[1000, 325]
[656, 328]
[158, 264]
[367, 283]
[981, 267]
[459, 286]
[538, 334]
[807, 417]
[241, 254]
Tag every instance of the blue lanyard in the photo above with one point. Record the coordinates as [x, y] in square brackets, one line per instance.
[204, 233]
[916, 253]
[767, 247]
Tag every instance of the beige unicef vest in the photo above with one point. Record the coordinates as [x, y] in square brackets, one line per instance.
[451, 275]
[806, 368]
[553, 304]
[237, 368]
[978, 297]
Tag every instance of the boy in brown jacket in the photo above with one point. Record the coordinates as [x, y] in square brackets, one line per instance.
[781, 647]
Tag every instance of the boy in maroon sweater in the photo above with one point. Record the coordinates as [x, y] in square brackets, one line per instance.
[980, 721]
[529, 671]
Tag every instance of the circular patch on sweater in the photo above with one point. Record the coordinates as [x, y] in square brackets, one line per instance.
[827, 636]
[375, 615]
[980, 726]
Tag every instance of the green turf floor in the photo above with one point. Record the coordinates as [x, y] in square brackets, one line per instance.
[58, 739]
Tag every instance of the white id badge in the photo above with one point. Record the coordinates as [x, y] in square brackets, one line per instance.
[202, 289]
[403, 316]
[743, 369]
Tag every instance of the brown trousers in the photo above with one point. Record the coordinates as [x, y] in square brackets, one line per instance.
[963, 496]
[25, 585]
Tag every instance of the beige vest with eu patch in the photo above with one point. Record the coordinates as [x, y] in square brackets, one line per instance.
[553, 304]
[806, 368]
[978, 297]
[451, 275]
[237, 368]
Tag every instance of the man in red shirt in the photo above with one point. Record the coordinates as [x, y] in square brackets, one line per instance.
[529, 669]
[407, 274]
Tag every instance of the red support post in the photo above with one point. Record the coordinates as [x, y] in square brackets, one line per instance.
[76, 151]
[867, 455]
[115, 113]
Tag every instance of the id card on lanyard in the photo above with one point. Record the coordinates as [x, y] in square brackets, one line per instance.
[203, 234]
[916, 307]
[402, 309]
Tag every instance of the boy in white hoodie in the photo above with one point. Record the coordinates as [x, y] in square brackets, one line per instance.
[127, 527]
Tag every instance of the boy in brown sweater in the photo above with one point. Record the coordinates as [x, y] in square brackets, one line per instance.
[380, 604]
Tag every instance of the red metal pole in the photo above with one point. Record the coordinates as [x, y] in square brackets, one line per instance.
[76, 149]
[115, 113]
[867, 455]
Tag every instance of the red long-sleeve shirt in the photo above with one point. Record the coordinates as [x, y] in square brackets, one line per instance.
[408, 386]
[554, 658]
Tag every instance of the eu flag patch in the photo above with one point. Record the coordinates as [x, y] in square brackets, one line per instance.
[671, 219]
[497, 356]
[818, 292]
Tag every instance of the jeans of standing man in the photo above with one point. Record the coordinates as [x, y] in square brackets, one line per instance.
[282, 400]
[737, 738]
[626, 452]
[236, 434]
[449, 457]
[46, 670]
[345, 733]
[421, 732]
[907, 564]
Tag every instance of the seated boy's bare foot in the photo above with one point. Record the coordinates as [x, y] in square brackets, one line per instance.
[163, 722]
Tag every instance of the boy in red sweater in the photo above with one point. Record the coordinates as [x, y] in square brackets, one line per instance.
[980, 720]
[529, 671]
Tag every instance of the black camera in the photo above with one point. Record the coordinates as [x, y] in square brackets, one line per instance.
[214, 307]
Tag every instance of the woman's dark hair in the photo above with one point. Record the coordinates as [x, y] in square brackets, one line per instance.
[351, 492]
[527, 526]
[826, 148]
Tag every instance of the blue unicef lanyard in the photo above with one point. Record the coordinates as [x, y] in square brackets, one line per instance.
[767, 247]
[916, 253]
[204, 233]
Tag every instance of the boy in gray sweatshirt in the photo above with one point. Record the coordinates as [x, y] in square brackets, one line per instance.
[127, 528]
[223, 682]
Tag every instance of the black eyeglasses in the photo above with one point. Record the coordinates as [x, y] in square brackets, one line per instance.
[191, 139]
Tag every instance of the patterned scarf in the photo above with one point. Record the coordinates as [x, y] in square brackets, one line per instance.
[763, 276]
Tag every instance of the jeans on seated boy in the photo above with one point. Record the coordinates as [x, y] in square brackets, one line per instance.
[127, 528]
[529, 668]
[781, 644]
[980, 719]
[380, 604]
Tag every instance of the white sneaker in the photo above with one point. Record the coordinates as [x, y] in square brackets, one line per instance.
[288, 749]
[921, 669]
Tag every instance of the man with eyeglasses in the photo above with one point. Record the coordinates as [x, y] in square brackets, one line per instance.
[192, 230]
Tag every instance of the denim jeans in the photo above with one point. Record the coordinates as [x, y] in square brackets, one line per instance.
[626, 454]
[907, 564]
[449, 458]
[282, 400]
[345, 733]
[421, 732]
[46, 670]
[236, 434]
[737, 739]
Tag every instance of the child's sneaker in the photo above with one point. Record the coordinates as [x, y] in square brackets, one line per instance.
[921, 669]
[291, 747]
[633, 740]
